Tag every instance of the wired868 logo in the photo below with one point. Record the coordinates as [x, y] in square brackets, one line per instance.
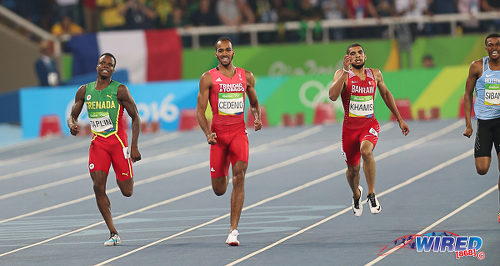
[462, 246]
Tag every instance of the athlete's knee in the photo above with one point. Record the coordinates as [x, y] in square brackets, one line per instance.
[127, 193]
[352, 171]
[219, 185]
[99, 188]
[239, 180]
[366, 152]
[219, 191]
[481, 170]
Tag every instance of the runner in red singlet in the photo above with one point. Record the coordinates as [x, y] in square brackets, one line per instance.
[105, 100]
[225, 87]
[360, 130]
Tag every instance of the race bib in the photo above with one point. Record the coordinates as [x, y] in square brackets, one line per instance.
[492, 94]
[100, 122]
[126, 152]
[231, 103]
[361, 106]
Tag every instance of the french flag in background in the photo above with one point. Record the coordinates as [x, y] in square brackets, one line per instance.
[147, 55]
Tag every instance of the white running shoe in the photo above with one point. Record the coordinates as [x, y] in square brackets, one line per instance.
[232, 238]
[374, 204]
[357, 205]
[114, 240]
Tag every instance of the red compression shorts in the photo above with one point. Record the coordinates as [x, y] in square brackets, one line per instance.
[104, 151]
[232, 146]
[352, 138]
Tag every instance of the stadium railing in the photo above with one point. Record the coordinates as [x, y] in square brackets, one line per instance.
[254, 29]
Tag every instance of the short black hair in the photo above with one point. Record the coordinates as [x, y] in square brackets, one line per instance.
[221, 39]
[353, 45]
[491, 35]
[108, 54]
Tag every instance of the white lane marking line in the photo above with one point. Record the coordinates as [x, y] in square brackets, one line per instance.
[77, 160]
[444, 218]
[31, 156]
[400, 185]
[149, 180]
[291, 138]
[293, 190]
[163, 156]
[24, 143]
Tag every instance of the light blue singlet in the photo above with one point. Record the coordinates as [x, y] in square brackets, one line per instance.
[488, 85]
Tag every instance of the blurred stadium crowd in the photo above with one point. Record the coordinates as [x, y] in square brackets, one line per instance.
[68, 17]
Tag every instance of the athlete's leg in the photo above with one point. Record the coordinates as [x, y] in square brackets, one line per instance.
[498, 155]
[238, 195]
[352, 174]
[482, 164]
[123, 170]
[482, 146]
[219, 185]
[366, 150]
[126, 186]
[219, 167]
[100, 178]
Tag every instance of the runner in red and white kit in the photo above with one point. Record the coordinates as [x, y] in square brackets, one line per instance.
[360, 130]
[225, 87]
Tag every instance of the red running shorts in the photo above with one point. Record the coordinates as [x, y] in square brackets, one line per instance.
[111, 150]
[352, 138]
[232, 146]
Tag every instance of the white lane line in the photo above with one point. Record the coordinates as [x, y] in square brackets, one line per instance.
[24, 144]
[163, 156]
[444, 218]
[293, 190]
[271, 144]
[80, 159]
[407, 182]
[189, 194]
[31, 156]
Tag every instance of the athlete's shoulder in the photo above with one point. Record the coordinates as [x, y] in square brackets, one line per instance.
[476, 66]
[207, 75]
[376, 73]
[477, 62]
[248, 73]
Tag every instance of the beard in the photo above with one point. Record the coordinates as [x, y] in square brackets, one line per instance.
[230, 59]
[358, 66]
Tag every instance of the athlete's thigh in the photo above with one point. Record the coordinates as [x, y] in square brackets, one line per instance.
[219, 162]
[370, 133]
[350, 146]
[484, 139]
[120, 157]
[239, 148]
[99, 157]
[496, 134]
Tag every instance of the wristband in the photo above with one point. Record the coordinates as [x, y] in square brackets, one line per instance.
[346, 71]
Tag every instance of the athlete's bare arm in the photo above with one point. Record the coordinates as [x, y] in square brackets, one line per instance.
[475, 70]
[76, 110]
[254, 102]
[389, 101]
[201, 107]
[126, 100]
[339, 79]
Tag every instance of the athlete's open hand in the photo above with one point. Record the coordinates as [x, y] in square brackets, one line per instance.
[257, 124]
[74, 129]
[135, 155]
[404, 127]
[468, 132]
[212, 138]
